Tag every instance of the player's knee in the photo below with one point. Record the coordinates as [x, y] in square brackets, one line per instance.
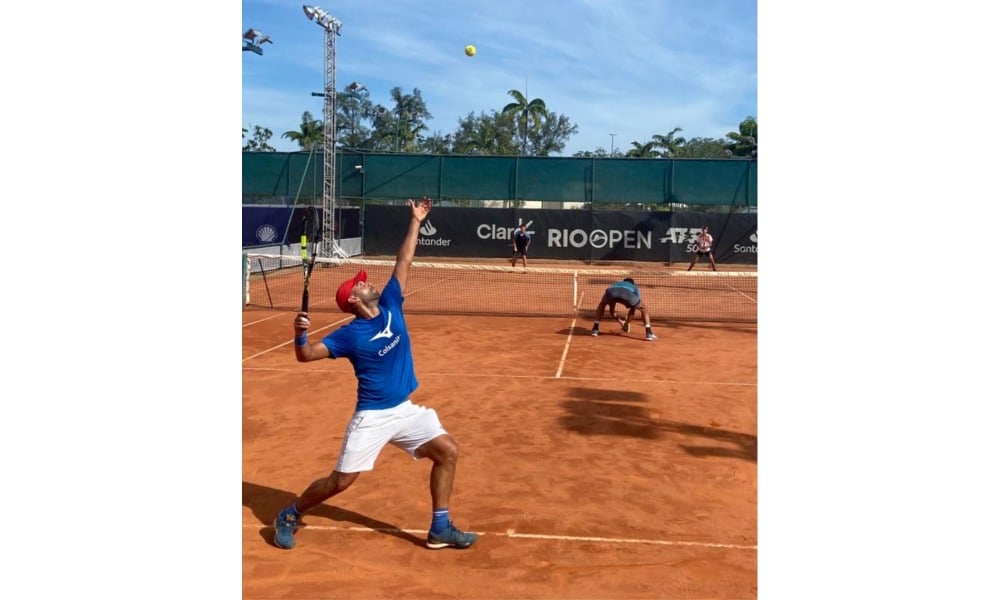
[442, 450]
[449, 449]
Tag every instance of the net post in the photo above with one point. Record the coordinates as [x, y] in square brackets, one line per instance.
[576, 304]
[246, 280]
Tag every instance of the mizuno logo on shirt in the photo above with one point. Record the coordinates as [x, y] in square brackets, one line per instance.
[385, 333]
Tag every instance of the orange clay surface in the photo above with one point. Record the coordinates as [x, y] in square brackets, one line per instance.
[605, 467]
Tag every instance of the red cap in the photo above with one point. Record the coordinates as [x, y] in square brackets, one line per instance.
[345, 289]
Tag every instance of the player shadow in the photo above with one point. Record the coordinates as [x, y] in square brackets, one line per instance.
[616, 412]
[731, 444]
[608, 412]
[265, 503]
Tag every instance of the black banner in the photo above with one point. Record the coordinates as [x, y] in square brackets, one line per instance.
[654, 236]
[269, 225]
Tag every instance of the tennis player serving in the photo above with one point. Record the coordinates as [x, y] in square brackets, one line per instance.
[377, 343]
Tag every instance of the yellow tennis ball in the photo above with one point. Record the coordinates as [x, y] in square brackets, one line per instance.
[470, 50]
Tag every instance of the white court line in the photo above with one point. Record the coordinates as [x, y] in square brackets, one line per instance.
[740, 292]
[733, 288]
[264, 319]
[569, 338]
[510, 533]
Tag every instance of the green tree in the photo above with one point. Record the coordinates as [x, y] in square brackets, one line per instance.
[492, 134]
[647, 150]
[551, 134]
[382, 136]
[310, 133]
[669, 143]
[528, 112]
[744, 141]
[703, 148]
[354, 109]
[259, 142]
[598, 153]
[437, 143]
[408, 119]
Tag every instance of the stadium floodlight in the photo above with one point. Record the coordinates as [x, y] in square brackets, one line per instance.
[255, 41]
[331, 26]
[322, 18]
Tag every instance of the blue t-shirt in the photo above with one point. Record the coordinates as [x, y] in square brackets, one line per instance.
[628, 286]
[380, 351]
[624, 292]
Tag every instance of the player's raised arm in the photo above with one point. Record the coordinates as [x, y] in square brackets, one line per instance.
[404, 257]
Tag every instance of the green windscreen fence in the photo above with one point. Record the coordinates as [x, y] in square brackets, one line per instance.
[285, 176]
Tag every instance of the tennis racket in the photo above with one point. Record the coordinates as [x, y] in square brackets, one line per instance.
[308, 262]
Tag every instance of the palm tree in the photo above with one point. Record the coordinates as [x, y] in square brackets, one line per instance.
[310, 133]
[409, 115]
[669, 142]
[533, 111]
[643, 150]
[354, 106]
[744, 142]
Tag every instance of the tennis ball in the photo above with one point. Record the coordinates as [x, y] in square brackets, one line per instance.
[470, 50]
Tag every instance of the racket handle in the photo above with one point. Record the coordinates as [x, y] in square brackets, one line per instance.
[305, 300]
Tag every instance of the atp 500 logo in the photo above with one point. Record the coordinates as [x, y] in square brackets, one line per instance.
[680, 235]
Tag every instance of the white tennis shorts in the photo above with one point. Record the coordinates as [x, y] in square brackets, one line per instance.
[406, 426]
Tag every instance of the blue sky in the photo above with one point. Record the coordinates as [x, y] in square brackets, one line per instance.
[634, 68]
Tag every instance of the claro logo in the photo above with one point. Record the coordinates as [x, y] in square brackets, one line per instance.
[488, 231]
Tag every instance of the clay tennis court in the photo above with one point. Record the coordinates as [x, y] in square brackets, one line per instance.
[605, 467]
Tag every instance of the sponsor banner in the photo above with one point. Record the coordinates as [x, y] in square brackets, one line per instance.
[734, 236]
[268, 225]
[652, 236]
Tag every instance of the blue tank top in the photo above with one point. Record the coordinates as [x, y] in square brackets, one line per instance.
[380, 351]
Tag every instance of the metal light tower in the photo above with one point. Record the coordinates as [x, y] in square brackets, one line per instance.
[331, 27]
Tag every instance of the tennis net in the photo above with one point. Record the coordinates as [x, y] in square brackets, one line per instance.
[275, 282]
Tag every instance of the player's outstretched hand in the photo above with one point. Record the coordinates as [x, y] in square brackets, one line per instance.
[420, 209]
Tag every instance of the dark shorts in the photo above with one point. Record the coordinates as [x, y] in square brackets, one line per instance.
[520, 252]
[620, 296]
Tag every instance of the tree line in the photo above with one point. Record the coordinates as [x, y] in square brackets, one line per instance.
[522, 127]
